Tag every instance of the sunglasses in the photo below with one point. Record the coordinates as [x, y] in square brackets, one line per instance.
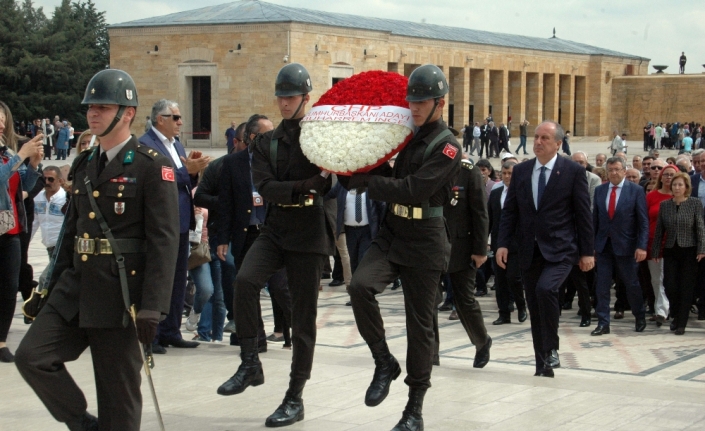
[173, 117]
[49, 179]
[656, 168]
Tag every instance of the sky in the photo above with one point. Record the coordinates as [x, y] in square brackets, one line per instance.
[660, 31]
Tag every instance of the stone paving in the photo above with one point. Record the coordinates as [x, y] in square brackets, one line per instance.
[621, 381]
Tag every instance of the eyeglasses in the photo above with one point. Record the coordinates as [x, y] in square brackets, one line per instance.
[49, 179]
[668, 175]
[173, 117]
[656, 168]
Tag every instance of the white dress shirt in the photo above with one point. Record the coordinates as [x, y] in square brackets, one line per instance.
[169, 144]
[349, 214]
[619, 193]
[503, 197]
[535, 177]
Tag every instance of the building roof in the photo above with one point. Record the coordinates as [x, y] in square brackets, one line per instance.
[259, 12]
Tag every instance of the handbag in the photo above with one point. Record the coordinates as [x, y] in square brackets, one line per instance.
[200, 254]
[7, 221]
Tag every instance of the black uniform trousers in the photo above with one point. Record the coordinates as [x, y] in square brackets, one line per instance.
[278, 289]
[264, 258]
[508, 285]
[469, 312]
[372, 276]
[51, 341]
[542, 280]
[169, 329]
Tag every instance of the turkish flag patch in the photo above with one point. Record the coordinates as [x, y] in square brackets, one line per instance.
[450, 151]
[167, 173]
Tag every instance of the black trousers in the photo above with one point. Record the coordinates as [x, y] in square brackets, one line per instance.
[26, 270]
[508, 284]
[51, 341]
[278, 290]
[577, 282]
[680, 269]
[9, 279]
[541, 281]
[263, 260]
[372, 276]
[469, 311]
[484, 148]
[170, 328]
[358, 240]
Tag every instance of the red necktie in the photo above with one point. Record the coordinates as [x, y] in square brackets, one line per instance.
[613, 202]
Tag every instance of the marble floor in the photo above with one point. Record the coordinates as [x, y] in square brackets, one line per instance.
[620, 381]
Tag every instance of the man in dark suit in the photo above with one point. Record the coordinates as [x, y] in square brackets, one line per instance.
[548, 210]
[466, 218]
[698, 190]
[166, 124]
[241, 213]
[484, 140]
[130, 189]
[507, 280]
[621, 227]
[493, 135]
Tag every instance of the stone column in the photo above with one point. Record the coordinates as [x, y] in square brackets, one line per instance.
[460, 86]
[551, 92]
[567, 102]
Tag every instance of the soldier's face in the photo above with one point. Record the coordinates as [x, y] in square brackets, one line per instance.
[421, 110]
[289, 105]
[99, 117]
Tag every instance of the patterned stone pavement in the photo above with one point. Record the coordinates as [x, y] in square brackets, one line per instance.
[620, 381]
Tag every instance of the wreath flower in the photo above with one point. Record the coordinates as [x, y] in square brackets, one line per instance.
[357, 125]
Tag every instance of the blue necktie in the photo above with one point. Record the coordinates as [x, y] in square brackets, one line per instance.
[358, 207]
[542, 186]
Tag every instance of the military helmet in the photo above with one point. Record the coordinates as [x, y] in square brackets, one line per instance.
[426, 82]
[292, 80]
[111, 87]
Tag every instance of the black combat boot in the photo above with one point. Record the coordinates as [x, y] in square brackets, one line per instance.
[386, 369]
[248, 374]
[87, 422]
[411, 419]
[291, 409]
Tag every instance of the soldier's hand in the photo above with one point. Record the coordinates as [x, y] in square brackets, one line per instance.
[359, 181]
[315, 184]
[479, 259]
[344, 180]
[222, 251]
[146, 323]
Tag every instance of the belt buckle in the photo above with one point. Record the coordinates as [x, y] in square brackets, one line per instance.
[105, 247]
[85, 246]
[401, 211]
[417, 213]
[308, 201]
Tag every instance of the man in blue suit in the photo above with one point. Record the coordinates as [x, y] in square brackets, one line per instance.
[547, 210]
[621, 225]
[161, 138]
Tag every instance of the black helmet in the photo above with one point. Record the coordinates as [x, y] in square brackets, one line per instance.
[426, 82]
[292, 80]
[111, 87]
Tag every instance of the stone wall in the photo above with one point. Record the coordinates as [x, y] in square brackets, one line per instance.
[661, 98]
[512, 82]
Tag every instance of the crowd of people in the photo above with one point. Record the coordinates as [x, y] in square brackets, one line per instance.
[135, 219]
[684, 137]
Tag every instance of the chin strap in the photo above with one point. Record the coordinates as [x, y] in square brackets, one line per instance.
[433, 111]
[117, 119]
[303, 97]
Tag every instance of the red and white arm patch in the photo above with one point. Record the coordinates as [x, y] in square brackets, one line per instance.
[450, 151]
[167, 173]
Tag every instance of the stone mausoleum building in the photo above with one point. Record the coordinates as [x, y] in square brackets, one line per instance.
[219, 63]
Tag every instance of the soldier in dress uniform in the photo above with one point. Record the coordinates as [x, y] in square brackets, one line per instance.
[118, 248]
[412, 244]
[296, 235]
[466, 216]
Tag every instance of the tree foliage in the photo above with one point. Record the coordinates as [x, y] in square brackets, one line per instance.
[45, 63]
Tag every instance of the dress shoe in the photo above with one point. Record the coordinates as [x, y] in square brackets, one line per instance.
[522, 315]
[482, 356]
[619, 315]
[386, 369]
[336, 283]
[396, 284]
[447, 306]
[673, 325]
[544, 372]
[87, 422]
[411, 419]
[567, 306]
[584, 323]
[680, 331]
[6, 355]
[249, 373]
[453, 315]
[552, 359]
[275, 338]
[640, 325]
[480, 292]
[600, 330]
[158, 349]
[291, 409]
[502, 320]
[348, 304]
[436, 360]
[181, 343]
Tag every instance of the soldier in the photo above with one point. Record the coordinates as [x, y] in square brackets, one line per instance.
[467, 219]
[296, 235]
[118, 248]
[412, 244]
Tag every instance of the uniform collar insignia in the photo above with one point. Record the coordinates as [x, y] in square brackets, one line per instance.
[129, 157]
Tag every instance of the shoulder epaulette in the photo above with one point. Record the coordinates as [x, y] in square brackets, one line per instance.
[149, 152]
[467, 164]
